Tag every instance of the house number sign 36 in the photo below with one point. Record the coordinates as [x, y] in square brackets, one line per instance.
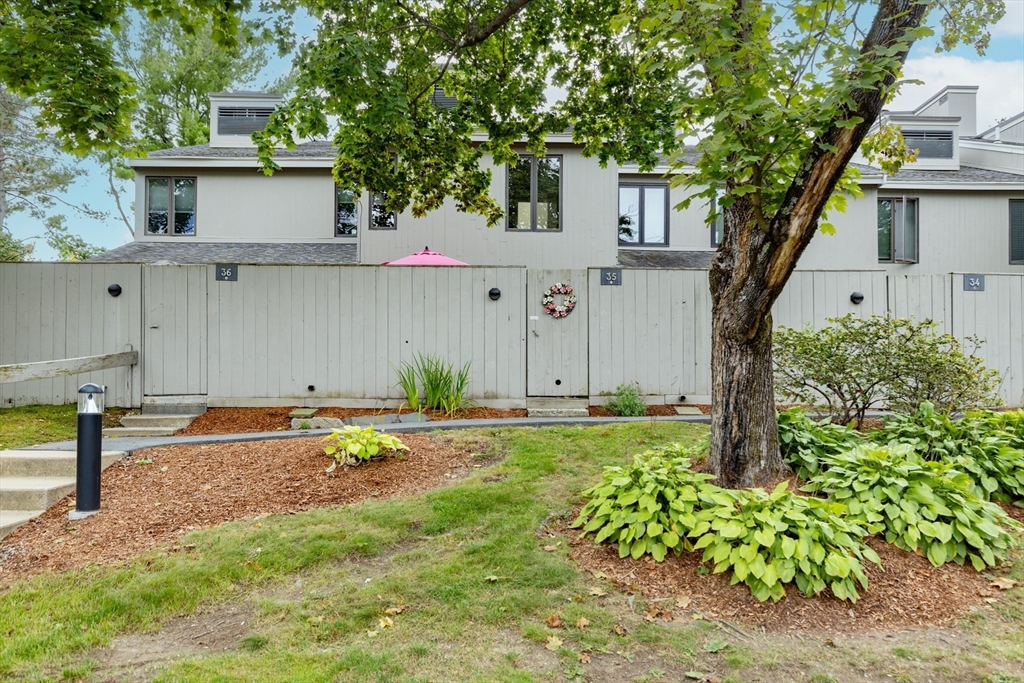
[227, 272]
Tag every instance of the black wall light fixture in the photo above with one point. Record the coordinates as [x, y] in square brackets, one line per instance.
[495, 293]
[856, 297]
[114, 289]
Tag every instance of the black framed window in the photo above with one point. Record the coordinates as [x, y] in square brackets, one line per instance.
[346, 213]
[930, 144]
[1017, 231]
[380, 217]
[897, 230]
[643, 214]
[171, 206]
[535, 194]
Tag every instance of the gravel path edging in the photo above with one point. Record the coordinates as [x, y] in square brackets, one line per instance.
[129, 445]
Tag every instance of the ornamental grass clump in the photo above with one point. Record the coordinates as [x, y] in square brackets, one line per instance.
[917, 504]
[355, 445]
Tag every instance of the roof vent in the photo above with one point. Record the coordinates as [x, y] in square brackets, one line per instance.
[242, 120]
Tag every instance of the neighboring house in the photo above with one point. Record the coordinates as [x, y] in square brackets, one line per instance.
[958, 208]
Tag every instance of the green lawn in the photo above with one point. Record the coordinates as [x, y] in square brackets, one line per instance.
[31, 425]
[469, 563]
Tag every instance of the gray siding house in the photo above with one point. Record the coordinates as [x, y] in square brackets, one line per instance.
[958, 208]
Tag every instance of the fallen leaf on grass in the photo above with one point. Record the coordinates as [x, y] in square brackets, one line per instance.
[554, 642]
[371, 634]
[396, 610]
[683, 602]
[554, 621]
[583, 657]
[550, 548]
[715, 646]
[492, 578]
[695, 675]
[598, 592]
[386, 622]
[1004, 583]
[619, 630]
[600, 575]
[582, 623]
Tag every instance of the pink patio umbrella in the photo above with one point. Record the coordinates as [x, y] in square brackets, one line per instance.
[425, 258]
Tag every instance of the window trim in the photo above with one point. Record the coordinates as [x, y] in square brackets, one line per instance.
[1009, 229]
[355, 200]
[170, 207]
[533, 194]
[892, 242]
[369, 217]
[642, 218]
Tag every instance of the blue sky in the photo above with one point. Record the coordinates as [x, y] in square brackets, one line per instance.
[999, 75]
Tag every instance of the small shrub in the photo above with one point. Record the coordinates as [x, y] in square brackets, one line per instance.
[919, 505]
[627, 402]
[406, 374]
[854, 364]
[353, 445]
[646, 507]
[772, 539]
[806, 445]
[304, 425]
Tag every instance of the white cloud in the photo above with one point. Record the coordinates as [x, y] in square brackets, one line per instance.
[1000, 84]
[1012, 23]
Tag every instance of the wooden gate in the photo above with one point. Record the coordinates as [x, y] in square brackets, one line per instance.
[174, 330]
[556, 348]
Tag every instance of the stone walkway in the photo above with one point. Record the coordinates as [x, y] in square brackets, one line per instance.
[131, 444]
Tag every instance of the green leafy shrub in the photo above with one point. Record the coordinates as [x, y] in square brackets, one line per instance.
[806, 445]
[769, 540]
[646, 507]
[658, 504]
[976, 443]
[353, 445]
[627, 402]
[854, 364]
[919, 505]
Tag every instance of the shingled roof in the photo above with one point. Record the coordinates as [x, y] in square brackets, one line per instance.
[260, 253]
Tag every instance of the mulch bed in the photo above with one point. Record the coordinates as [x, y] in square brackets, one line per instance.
[907, 592]
[184, 488]
[246, 420]
[656, 411]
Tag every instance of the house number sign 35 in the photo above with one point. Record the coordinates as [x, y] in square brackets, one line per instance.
[227, 272]
[611, 276]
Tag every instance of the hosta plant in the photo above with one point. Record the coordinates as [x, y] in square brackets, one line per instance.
[977, 444]
[770, 539]
[806, 444]
[353, 445]
[919, 505]
[647, 507]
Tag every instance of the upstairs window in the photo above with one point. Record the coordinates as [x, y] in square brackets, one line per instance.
[535, 194]
[171, 206]
[930, 144]
[897, 230]
[346, 213]
[242, 120]
[380, 217]
[643, 215]
[1017, 231]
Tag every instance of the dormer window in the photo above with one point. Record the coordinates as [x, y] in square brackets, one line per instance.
[930, 144]
[242, 120]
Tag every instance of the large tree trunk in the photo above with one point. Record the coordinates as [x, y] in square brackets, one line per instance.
[744, 436]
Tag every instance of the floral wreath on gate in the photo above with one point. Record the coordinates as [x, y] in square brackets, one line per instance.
[549, 300]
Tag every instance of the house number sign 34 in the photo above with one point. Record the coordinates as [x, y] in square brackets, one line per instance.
[227, 272]
[974, 282]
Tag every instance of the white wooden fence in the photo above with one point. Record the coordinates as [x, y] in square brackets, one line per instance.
[314, 335]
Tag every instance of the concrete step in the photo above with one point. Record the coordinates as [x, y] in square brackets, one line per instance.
[159, 421]
[557, 407]
[12, 519]
[33, 493]
[115, 432]
[46, 463]
[173, 405]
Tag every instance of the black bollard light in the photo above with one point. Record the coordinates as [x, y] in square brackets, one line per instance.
[90, 455]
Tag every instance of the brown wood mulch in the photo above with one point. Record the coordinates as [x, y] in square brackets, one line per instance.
[183, 488]
[906, 592]
[247, 420]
